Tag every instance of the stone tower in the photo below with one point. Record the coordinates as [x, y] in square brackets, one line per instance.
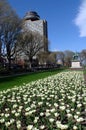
[33, 22]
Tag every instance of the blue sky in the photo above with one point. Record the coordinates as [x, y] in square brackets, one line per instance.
[66, 21]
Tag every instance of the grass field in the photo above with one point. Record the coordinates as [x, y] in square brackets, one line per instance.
[10, 82]
[84, 71]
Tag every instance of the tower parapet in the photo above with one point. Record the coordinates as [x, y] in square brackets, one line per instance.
[32, 15]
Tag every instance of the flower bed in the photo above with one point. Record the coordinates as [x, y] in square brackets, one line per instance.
[54, 103]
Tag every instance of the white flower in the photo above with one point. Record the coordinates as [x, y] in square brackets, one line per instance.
[78, 113]
[13, 111]
[55, 104]
[64, 127]
[76, 116]
[33, 105]
[42, 127]
[12, 121]
[17, 114]
[7, 115]
[51, 120]
[20, 107]
[79, 105]
[79, 119]
[75, 127]
[62, 108]
[40, 103]
[7, 124]
[52, 110]
[68, 106]
[36, 119]
[19, 110]
[29, 127]
[2, 114]
[62, 103]
[49, 105]
[73, 100]
[18, 122]
[56, 114]
[69, 115]
[6, 109]
[58, 123]
[2, 120]
[29, 99]
[67, 110]
[26, 113]
[72, 109]
[15, 105]
[18, 126]
[35, 128]
[47, 114]
[41, 114]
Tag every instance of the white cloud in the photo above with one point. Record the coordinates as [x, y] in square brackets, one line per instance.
[80, 19]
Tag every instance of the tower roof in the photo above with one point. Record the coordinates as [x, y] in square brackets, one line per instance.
[32, 15]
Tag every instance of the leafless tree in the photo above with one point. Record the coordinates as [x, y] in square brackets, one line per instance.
[68, 57]
[43, 57]
[30, 43]
[60, 57]
[52, 58]
[0, 43]
[10, 27]
[83, 56]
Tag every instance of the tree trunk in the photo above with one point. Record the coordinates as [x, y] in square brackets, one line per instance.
[9, 63]
[30, 62]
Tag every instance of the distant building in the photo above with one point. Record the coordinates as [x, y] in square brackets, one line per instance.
[33, 22]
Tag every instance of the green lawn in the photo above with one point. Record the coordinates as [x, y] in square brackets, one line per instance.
[10, 82]
[84, 71]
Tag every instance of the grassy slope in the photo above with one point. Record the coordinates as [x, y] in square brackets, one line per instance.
[10, 82]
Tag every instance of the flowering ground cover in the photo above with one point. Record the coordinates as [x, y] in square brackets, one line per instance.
[55, 103]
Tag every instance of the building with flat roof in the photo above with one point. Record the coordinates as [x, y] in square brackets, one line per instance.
[33, 22]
